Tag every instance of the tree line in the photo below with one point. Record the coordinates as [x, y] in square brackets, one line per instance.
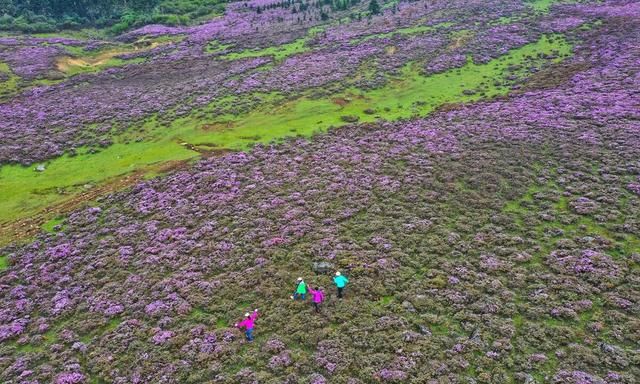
[119, 15]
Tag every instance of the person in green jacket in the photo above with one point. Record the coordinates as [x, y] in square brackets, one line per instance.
[301, 290]
[340, 282]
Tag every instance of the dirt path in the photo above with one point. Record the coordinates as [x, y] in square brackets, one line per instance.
[459, 42]
[65, 63]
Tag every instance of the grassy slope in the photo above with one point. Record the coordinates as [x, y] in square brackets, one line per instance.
[300, 45]
[77, 61]
[583, 226]
[71, 66]
[414, 30]
[23, 192]
[81, 61]
[408, 95]
[278, 52]
[10, 84]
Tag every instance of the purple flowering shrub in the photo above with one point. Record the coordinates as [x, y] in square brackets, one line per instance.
[180, 76]
[491, 242]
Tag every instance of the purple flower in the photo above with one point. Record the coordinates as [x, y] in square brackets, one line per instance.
[576, 377]
[161, 337]
[70, 378]
[283, 359]
[15, 328]
[634, 187]
[391, 375]
[156, 308]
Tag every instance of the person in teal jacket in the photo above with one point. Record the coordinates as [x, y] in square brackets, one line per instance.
[301, 290]
[340, 282]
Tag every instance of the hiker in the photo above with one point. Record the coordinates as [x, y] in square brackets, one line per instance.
[301, 290]
[247, 323]
[317, 296]
[340, 282]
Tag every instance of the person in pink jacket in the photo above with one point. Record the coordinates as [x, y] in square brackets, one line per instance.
[248, 323]
[317, 297]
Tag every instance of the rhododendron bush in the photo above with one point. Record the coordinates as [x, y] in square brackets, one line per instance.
[182, 73]
[489, 242]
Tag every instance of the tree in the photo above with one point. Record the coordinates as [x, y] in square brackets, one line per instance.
[374, 7]
[40, 15]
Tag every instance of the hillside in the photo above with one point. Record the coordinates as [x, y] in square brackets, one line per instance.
[472, 167]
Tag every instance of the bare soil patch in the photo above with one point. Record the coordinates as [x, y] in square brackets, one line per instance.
[340, 101]
[554, 76]
[65, 63]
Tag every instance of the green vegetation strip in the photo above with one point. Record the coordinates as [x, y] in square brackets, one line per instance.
[278, 52]
[411, 94]
[298, 46]
[24, 192]
[541, 5]
[538, 6]
[10, 83]
[413, 30]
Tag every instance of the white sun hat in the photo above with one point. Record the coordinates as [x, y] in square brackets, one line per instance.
[338, 273]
